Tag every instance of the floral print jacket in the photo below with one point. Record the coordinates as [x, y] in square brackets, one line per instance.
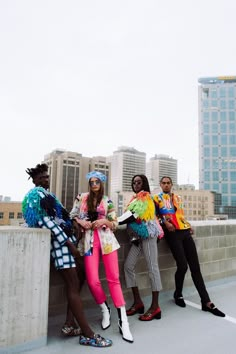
[107, 238]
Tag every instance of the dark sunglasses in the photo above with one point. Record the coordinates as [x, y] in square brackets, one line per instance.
[94, 183]
[137, 182]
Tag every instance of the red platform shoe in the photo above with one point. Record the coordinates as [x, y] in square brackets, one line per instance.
[150, 315]
[135, 309]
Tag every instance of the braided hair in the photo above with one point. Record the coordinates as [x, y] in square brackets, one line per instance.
[35, 171]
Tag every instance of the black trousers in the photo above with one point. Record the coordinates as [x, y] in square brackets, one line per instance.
[184, 252]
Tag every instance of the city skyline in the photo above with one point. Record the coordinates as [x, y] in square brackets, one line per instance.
[64, 153]
[90, 77]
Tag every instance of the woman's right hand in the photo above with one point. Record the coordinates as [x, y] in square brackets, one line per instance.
[86, 224]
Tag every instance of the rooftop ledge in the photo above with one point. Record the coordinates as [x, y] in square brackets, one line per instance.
[34, 290]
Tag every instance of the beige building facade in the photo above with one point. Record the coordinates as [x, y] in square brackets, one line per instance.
[159, 166]
[197, 204]
[68, 172]
[11, 213]
[125, 163]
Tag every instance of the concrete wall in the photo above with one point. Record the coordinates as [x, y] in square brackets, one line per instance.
[216, 245]
[24, 288]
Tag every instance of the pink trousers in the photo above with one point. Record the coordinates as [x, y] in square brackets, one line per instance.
[111, 266]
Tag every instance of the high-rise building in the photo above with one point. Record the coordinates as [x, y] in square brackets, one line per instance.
[217, 137]
[68, 171]
[159, 166]
[125, 163]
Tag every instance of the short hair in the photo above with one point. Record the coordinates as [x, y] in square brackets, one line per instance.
[35, 171]
[166, 177]
[144, 179]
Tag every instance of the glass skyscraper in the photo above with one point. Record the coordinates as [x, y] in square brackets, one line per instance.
[217, 137]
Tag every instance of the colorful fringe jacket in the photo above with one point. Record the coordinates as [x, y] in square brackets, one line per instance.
[143, 222]
[42, 209]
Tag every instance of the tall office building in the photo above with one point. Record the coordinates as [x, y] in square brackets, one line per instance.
[125, 163]
[159, 166]
[217, 137]
[68, 174]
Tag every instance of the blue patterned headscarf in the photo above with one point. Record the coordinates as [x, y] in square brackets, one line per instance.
[96, 174]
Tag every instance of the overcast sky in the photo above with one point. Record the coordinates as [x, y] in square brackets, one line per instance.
[89, 76]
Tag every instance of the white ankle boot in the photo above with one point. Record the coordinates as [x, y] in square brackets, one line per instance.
[124, 325]
[106, 315]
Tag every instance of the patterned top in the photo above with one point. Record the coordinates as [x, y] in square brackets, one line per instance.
[42, 209]
[170, 208]
[145, 223]
[105, 210]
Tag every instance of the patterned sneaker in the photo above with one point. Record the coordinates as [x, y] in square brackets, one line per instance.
[96, 341]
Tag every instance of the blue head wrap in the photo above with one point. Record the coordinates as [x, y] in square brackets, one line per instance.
[96, 174]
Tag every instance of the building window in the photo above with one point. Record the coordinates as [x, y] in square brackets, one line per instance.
[225, 200]
[215, 152]
[214, 116]
[223, 139]
[232, 165]
[223, 128]
[206, 116]
[223, 116]
[225, 164]
[233, 176]
[206, 128]
[205, 92]
[222, 92]
[1, 215]
[222, 104]
[214, 128]
[232, 152]
[224, 188]
[231, 92]
[206, 164]
[215, 176]
[207, 176]
[231, 116]
[233, 188]
[206, 140]
[214, 93]
[231, 104]
[232, 128]
[11, 215]
[224, 175]
[215, 187]
[214, 103]
[207, 152]
[214, 139]
[215, 163]
[233, 201]
[19, 215]
[224, 152]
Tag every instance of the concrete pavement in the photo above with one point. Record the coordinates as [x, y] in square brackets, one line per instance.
[180, 330]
